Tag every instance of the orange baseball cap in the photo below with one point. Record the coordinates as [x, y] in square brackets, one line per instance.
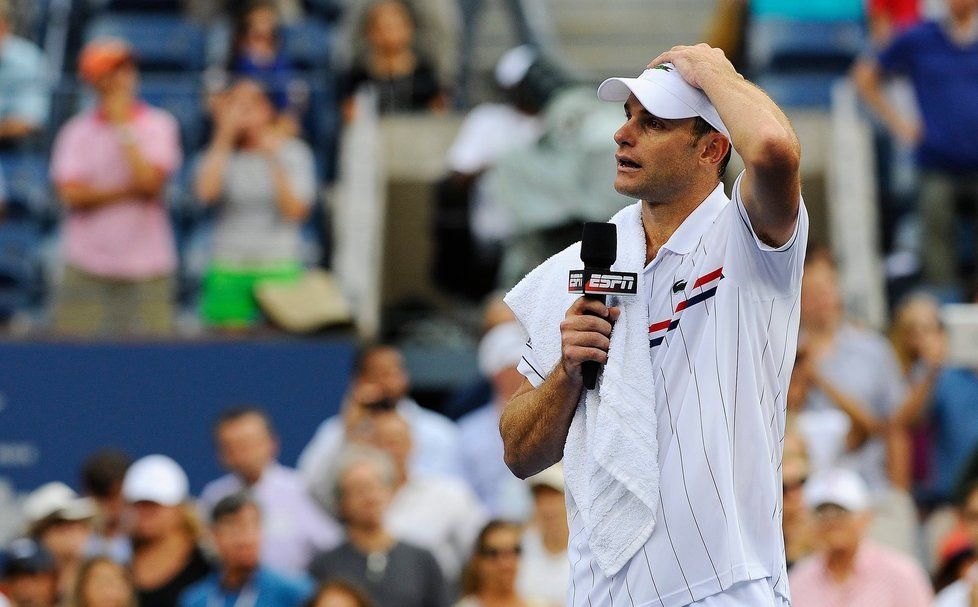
[101, 56]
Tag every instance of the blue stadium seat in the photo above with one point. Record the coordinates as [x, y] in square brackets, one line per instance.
[20, 267]
[181, 94]
[168, 6]
[308, 43]
[322, 123]
[29, 191]
[777, 45]
[806, 90]
[161, 41]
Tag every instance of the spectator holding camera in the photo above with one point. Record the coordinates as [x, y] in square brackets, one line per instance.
[380, 384]
[264, 184]
[110, 165]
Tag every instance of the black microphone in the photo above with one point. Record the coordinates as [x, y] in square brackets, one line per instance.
[599, 248]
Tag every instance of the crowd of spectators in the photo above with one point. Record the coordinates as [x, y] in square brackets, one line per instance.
[391, 503]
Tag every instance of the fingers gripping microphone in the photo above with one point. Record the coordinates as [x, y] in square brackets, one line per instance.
[599, 248]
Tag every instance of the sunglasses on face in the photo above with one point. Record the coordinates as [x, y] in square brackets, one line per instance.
[495, 553]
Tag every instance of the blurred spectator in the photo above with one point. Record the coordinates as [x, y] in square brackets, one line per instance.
[110, 165]
[941, 61]
[25, 85]
[849, 569]
[545, 570]
[503, 494]
[851, 385]
[920, 345]
[294, 527]
[236, 526]
[166, 556]
[438, 25]
[339, 593]
[101, 479]
[61, 522]
[103, 582]
[435, 512]
[947, 397]
[404, 80]
[256, 54]
[890, 17]
[796, 519]
[964, 592]
[381, 383]
[265, 184]
[29, 574]
[849, 377]
[392, 572]
[490, 575]
[467, 227]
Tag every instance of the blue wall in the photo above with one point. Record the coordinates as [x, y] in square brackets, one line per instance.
[59, 402]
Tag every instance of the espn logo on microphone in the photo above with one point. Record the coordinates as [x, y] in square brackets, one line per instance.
[603, 283]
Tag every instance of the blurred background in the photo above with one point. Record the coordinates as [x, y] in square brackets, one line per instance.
[269, 240]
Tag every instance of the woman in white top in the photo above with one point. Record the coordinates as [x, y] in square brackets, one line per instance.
[489, 579]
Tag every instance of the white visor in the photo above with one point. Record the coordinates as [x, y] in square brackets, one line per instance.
[664, 93]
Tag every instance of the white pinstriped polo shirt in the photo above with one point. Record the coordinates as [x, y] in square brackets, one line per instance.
[723, 327]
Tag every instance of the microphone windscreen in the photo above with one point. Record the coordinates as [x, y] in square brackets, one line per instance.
[599, 244]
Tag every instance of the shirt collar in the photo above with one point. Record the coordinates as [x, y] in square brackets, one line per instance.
[696, 224]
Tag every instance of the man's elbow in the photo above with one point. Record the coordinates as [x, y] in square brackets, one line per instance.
[775, 150]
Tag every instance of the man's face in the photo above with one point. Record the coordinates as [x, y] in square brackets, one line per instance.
[385, 368]
[66, 539]
[364, 495]
[238, 538]
[820, 299]
[152, 521]
[123, 80]
[33, 589]
[246, 447]
[840, 529]
[655, 156]
[549, 506]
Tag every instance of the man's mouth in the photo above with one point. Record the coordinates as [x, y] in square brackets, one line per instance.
[626, 164]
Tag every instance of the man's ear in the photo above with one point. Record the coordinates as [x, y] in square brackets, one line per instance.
[716, 148]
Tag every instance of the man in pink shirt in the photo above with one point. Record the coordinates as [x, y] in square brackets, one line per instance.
[110, 166]
[849, 570]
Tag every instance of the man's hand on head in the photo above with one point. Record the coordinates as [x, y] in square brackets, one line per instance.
[697, 63]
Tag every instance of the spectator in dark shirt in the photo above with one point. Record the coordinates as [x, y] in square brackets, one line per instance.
[103, 582]
[941, 60]
[166, 558]
[392, 572]
[404, 81]
[256, 51]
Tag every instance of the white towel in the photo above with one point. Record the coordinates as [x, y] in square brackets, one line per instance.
[611, 454]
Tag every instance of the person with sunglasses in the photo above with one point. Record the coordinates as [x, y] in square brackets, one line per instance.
[489, 579]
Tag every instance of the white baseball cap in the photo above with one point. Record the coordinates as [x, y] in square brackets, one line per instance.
[56, 501]
[840, 487]
[552, 477]
[664, 92]
[158, 479]
[501, 347]
[514, 65]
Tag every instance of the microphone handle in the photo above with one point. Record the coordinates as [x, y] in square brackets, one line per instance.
[591, 368]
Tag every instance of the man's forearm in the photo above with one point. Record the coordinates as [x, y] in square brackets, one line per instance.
[535, 422]
[759, 130]
[81, 197]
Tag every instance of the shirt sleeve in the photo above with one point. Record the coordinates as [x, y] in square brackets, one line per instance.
[767, 271]
[162, 149]
[300, 167]
[529, 366]
[68, 163]
[898, 57]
